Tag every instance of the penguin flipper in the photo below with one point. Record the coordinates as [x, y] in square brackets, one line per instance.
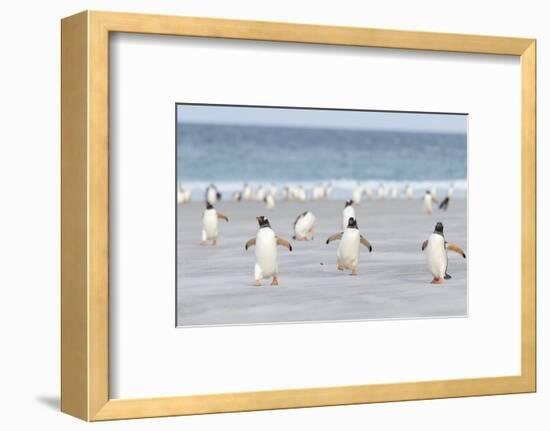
[250, 243]
[221, 216]
[447, 276]
[456, 249]
[366, 243]
[334, 237]
[284, 243]
[424, 245]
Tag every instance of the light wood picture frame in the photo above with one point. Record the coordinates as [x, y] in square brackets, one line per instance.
[85, 215]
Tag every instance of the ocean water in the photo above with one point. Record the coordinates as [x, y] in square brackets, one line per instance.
[231, 155]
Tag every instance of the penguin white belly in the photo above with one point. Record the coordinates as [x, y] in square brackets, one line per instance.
[212, 196]
[348, 249]
[304, 225]
[210, 224]
[348, 213]
[181, 196]
[357, 195]
[270, 202]
[428, 203]
[436, 255]
[266, 254]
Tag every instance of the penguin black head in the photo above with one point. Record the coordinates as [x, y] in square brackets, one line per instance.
[439, 228]
[263, 222]
[352, 223]
[428, 192]
[349, 203]
[209, 206]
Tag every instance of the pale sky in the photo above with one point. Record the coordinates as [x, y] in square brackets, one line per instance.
[292, 117]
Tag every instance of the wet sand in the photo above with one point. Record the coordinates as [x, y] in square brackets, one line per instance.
[216, 284]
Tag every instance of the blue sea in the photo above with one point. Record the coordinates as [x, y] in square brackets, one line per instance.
[231, 155]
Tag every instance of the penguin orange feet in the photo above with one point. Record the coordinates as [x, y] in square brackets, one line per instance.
[257, 283]
[203, 242]
[354, 271]
[275, 282]
[214, 242]
[437, 280]
[340, 267]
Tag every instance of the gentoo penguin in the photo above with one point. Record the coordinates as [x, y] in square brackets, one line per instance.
[210, 224]
[328, 190]
[266, 243]
[408, 191]
[349, 212]
[260, 193]
[269, 201]
[368, 192]
[212, 194]
[247, 192]
[348, 249]
[184, 195]
[381, 191]
[357, 194]
[273, 190]
[394, 192]
[304, 227]
[444, 203]
[318, 192]
[301, 194]
[285, 193]
[428, 200]
[237, 196]
[451, 190]
[436, 254]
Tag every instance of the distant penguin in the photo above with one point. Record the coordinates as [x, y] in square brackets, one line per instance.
[304, 227]
[212, 194]
[181, 198]
[381, 191]
[428, 200]
[394, 192]
[260, 194]
[348, 249]
[349, 212]
[409, 191]
[266, 243]
[184, 195]
[210, 224]
[301, 194]
[285, 193]
[357, 194]
[368, 192]
[273, 190]
[328, 190]
[247, 192]
[237, 196]
[269, 201]
[451, 190]
[318, 192]
[445, 203]
[436, 254]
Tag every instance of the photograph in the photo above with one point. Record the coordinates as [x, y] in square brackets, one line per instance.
[302, 215]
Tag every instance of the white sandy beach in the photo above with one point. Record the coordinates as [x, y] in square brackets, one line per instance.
[216, 284]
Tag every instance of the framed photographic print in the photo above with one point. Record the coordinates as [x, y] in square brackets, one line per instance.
[267, 215]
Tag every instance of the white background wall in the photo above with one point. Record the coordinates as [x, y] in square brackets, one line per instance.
[30, 201]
